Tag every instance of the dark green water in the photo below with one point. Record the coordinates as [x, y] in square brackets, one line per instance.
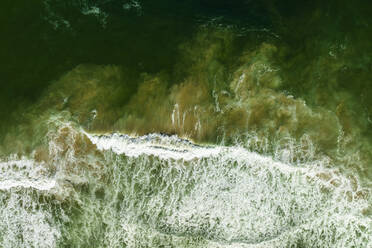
[323, 49]
[287, 80]
[34, 52]
[44, 39]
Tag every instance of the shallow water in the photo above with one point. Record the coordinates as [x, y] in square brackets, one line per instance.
[130, 123]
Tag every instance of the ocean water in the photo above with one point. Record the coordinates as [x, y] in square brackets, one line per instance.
[135, 123]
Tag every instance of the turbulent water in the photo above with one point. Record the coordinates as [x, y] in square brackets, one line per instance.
[130, 123]
[155, 190]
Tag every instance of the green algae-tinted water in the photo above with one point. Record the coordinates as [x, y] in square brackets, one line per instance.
[130, 123]
[45, 39]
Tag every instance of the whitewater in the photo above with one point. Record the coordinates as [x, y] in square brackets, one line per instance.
[163, 191]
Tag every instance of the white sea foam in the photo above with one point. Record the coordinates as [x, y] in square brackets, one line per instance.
[133, 4]
[238, 198]
[25, 173]
[25, 222]
[176, 193]
[165, 147]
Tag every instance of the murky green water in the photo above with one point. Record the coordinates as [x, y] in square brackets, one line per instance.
[185, 123]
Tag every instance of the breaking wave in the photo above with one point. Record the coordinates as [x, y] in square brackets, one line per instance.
[157, 190]
[213, 152]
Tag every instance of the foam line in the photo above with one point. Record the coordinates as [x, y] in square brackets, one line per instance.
[26, 174]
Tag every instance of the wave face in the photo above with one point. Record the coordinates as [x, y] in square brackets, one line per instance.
[162, 191]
